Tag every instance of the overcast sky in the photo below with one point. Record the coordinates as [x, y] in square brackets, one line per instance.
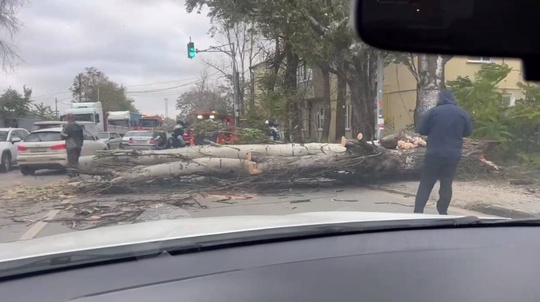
[134, 42]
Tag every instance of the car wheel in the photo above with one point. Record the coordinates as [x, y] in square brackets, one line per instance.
[27, 171]
[5, 162]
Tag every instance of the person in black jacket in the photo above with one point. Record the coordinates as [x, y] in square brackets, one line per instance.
[445, 126]
[73, 134]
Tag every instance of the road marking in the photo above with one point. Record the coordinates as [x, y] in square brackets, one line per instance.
[39, 226]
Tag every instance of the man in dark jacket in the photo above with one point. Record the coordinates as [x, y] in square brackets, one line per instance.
[445, 125]
[73, 134]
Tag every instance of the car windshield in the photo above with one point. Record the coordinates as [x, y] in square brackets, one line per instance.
[3, 135]
[43, 137]
[283, 111]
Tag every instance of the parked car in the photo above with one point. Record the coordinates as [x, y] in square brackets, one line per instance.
[45, 149]
[141, 139]
[9, 140]
[113, 140]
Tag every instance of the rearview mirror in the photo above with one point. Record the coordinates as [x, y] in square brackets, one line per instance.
[454, 27]
[15, 140]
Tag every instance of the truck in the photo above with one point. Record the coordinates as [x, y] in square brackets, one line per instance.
[122, 121]
[88, 112]
[150, 122]
[226, 119]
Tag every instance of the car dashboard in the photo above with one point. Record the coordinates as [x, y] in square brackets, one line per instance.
[462, 264]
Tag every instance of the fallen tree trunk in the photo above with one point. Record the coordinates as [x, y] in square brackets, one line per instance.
[200, 166]
[351, 161]
[125, 159]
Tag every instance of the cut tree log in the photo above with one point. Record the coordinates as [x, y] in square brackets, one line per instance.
[200, 166]
[126, 159]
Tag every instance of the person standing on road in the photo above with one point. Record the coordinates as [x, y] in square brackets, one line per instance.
[445, 126]
[73, 134]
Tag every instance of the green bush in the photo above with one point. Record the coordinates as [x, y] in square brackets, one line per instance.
[516, 127]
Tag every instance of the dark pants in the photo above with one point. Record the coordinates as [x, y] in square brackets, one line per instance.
[443, 170]
[73, 155]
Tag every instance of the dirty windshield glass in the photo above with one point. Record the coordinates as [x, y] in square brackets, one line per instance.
[261, 109]
[103, 135]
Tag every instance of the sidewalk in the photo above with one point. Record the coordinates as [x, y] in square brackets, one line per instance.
[492, 197]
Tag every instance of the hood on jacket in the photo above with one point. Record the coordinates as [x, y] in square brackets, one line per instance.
[446, 97]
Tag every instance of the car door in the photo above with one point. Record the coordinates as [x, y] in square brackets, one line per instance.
[13, 146]
[115, 140]
[90, 145]
[21, 134]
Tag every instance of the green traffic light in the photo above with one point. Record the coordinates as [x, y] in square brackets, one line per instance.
[191, 50]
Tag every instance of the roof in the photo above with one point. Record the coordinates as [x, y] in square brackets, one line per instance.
[261, 64]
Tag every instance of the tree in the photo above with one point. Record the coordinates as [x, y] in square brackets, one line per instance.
[10, 23]
[14, 104]
[484, 101]
[43, 111]
[239, 40]
[204, 96]
[93, 85]
[428, 71]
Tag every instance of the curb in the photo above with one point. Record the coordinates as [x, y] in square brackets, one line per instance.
[482, 208]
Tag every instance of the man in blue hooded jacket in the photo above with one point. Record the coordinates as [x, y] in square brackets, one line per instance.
[445, 126]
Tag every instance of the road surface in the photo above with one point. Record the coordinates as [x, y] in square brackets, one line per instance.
[25, 221]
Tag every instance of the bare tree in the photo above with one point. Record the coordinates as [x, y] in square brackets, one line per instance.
[10, 23]
[244, 37]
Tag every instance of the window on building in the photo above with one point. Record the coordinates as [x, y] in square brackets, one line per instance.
[509, 100]
[320, 118]
[479, 59]
[304, 74]
[348, 117]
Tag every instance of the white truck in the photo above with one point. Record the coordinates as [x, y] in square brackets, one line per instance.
[113, 121]
[88, 112]
[119, 122]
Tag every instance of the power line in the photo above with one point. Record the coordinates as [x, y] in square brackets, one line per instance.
[169, 88]
[138, 85]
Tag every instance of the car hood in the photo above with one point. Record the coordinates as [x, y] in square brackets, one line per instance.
[145, 232]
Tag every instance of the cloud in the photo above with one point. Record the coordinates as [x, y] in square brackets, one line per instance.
[133, 42]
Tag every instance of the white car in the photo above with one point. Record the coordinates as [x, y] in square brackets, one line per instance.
[139, 140]
[45, 149]
[9, 140]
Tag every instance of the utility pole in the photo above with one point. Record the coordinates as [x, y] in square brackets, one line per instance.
[80, 87]
[378, 109]
[166, 107]
[98, 99]
[56, 106]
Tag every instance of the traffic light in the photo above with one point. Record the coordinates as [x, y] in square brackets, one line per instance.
[191, 50]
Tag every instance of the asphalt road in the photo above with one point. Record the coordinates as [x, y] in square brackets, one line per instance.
[31, 224]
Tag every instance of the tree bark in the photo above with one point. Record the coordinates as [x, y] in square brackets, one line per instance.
[327, 105]
[290, 84]
[430, 82]
[340, 106]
